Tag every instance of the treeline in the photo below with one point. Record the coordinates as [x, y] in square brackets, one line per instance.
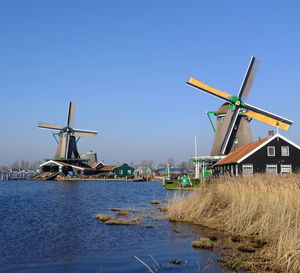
[184, 165]
[22, 164]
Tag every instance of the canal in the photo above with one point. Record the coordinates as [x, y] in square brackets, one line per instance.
[51, 227]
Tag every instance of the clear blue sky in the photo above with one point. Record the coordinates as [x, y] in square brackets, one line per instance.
[125, 64]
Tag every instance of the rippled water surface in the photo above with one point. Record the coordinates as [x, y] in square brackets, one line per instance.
[51, 227]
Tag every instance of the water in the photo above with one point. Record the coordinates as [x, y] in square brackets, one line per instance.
[51, 227]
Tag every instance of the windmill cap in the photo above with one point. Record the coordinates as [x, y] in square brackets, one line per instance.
[222, 109]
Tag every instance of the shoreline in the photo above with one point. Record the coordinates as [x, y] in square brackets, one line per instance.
[96, 179]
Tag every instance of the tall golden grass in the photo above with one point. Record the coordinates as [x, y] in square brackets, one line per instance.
[267, 206]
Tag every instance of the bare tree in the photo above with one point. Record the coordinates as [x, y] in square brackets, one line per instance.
[171, 162]
[35, 165]
[147, 163]
[184, 166]
[15, 165]
[24, 164]
[162, 165]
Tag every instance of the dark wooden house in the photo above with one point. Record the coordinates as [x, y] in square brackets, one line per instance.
[274, 155]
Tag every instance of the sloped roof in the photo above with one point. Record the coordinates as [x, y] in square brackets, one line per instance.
[238, 154]
[222, 109]
[96, 164]
[60, 163]
[108, 168]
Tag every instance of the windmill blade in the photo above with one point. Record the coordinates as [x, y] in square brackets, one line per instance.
[67, 145]
[267, 117]
[229, 129]
[71, 114]
[225, 125]
[268, 120]
[44, 125]
[83, 133]
[208, 89]
[63, 146]
[248, 79]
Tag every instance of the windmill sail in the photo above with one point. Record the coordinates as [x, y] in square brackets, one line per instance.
[71, 114]
[44, 125]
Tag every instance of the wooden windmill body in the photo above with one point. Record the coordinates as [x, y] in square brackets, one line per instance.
[241, 135]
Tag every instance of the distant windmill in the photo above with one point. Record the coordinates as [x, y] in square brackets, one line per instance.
[235, 123]
[67, 143]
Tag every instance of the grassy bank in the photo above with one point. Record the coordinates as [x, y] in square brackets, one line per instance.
[264, 207]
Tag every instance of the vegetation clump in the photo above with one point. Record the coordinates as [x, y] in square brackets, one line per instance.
[122, 213]
[123, 222]
[204, 243]
[103, 217]
[117, 209]
[264, 208]
[155, 202]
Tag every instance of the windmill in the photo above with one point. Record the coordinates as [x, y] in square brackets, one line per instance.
[238, 112]
[67, 143]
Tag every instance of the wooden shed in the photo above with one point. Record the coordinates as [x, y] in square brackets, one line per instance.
[117, 171]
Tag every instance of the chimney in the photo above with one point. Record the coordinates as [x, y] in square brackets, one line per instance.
[271, 133]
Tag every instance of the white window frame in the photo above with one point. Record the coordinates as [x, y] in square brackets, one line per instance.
[268, 148]
[287, 149]
[129, 171]
[247, 169]
[271, 167]
[120, 171]
[282, 166]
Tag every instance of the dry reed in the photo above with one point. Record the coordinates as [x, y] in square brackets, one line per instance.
[265, 206]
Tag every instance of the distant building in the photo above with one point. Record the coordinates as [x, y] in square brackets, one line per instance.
[91, 157]
[274, 155]
[117, 171]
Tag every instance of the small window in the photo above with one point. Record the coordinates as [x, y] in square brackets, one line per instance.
[247, 168]
[285, 151]
[129, 172]
[285, 169]
[121, 172]
[271, 150]
[271, 168]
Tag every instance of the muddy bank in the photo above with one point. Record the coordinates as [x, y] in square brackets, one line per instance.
[236, 252]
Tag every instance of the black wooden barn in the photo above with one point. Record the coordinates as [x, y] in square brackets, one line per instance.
[274, 154]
